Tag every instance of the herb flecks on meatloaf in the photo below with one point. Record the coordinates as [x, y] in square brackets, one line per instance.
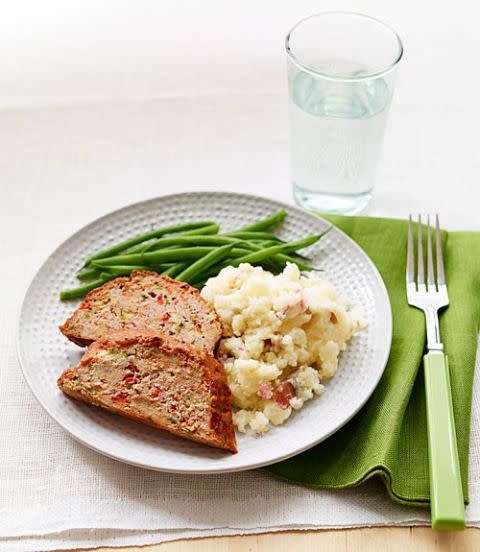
[145, 300]
[157, 381]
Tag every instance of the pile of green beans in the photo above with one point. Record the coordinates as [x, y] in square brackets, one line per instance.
[192, 253]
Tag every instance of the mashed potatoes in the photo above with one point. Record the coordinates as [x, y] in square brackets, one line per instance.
[281, 337]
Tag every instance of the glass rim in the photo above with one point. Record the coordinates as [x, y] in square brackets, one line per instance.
[329, 76]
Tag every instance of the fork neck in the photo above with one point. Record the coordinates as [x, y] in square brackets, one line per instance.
[433, 330]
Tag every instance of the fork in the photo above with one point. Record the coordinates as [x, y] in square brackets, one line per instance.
[446, 495]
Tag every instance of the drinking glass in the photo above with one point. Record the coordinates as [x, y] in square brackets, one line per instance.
[341, 71]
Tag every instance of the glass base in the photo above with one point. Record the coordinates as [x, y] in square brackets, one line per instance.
[342, 204]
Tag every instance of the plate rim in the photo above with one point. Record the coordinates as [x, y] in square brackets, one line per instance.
[213, 470]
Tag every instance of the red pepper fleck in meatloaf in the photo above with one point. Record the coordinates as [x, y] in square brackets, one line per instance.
[145, 300]
[157, 381]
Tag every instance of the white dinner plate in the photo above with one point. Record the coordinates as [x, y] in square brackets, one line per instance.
[44, 352]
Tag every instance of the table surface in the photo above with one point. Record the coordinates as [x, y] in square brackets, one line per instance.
[116, 116]
[66, 166]
[88, 151]
[399, 539]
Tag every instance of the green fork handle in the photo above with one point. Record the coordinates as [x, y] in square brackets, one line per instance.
[446, 494]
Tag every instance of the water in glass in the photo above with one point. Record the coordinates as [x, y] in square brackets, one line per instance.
[337, 129]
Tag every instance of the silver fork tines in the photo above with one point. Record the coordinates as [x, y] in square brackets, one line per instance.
[432, 295]
[430, 271]
[438, 244]
[420, 268]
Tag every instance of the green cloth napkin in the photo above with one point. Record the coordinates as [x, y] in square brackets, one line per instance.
[388, 437]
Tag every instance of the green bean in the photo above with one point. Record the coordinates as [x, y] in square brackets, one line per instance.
[282, 258]
[266, 223]
[267, 253]
[209, 260]
[269, 258]
[144, 237]
[203, 241]
[212, 228]
[136, 248]
[87, 273]
[190, 240]
[81, 291]
[155, 257]
[299, 256]
[149, 247]
[253, 235]
[106, 276]
[305, 257]
[274, 264]
[266, 243]
[302, 266]
[194, 252]
[125, 270]
[111, 272]
[203, 231]
[118, 268]
[175, 269]
[170, 271]
[165, 256]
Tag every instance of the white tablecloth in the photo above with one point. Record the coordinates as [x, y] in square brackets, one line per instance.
[63, 167]
[221, 126]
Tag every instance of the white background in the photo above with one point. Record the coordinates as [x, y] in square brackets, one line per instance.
[215, 71]
[62, 51]
[107, 103]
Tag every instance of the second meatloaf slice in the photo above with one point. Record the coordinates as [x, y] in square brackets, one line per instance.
[145, 300]
[157, 381]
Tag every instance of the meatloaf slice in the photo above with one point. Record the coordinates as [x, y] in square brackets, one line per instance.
[157, 381]
[145, 300]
